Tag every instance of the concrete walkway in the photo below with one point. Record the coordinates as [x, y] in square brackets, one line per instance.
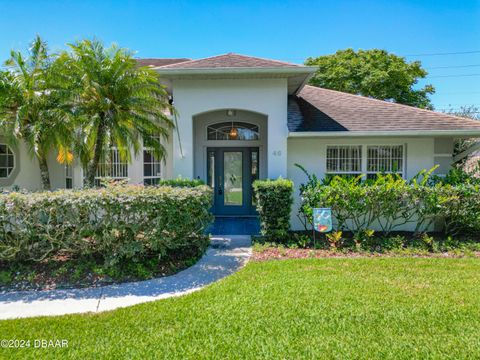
[225, 255]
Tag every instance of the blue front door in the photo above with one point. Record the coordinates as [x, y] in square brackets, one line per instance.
[231, 172]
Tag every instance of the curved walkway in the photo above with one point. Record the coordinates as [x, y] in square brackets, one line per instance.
[225, 255]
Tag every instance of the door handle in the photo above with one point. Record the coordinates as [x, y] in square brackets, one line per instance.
[220, 191]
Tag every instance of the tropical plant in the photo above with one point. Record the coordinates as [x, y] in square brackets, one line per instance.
[31, 106]
[374, 73]
[116, 103]
[389, 202]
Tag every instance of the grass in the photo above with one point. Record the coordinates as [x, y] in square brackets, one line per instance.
[311, 308]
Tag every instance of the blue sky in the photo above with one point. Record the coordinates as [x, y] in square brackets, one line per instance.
[284, 30]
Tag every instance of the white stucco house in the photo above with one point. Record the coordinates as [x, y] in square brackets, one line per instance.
[241, 118]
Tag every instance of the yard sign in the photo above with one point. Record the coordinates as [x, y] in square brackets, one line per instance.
[322, 219]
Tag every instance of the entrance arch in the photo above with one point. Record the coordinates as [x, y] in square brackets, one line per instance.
[230, 152]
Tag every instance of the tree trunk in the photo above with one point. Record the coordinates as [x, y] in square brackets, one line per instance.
[97, 153]
[44, 173]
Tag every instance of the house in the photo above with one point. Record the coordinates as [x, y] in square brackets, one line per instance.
[241, 118]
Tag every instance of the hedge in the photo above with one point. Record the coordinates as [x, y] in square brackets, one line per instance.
[181, 182]
[389, 202]
[117, 223]
[274, 200]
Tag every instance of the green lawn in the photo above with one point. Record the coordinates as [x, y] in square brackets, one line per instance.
[314, 308]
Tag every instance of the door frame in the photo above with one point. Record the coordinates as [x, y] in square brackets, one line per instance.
[219, 208]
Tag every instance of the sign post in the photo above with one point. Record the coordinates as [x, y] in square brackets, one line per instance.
[322, 221]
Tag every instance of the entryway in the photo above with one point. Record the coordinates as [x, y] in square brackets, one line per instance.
[234, 225]
[231, 172]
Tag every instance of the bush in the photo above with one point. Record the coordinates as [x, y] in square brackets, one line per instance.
[116, 223]
[274, 202]
[458, 176]
[390, 202]
[181, 182]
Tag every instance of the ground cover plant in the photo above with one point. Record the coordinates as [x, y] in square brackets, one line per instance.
[115, 232]
[371, 308]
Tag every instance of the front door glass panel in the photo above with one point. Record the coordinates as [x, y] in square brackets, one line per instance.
[211, 169]
[233, 178]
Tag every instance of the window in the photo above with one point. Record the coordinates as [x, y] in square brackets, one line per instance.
[112, 166]
[152, 166]
[7, 161]
[232, 131]
[68, 177]
[344, 160]
[353, 160]
[385, 159]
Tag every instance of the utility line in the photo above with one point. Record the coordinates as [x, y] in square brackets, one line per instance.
[446, 53]
[445, 76]
[452, 67]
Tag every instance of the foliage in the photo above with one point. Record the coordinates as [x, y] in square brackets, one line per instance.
[181, 182]
[458, 176]
[390, 202]
[32, 106]
[374, 73]
[335, 239]
[376, 308]
[274, 202]
[115, 102]
[469, 112]
[117, 223]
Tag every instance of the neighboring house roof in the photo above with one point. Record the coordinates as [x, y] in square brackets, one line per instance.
[316, 109]
[230, 60]
[160, 62]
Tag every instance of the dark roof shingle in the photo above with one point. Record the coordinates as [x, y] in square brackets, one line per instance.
[160, 62]
[330, 110]
[230, 60]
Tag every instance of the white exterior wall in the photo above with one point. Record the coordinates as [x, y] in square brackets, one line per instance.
[311, 154]
[28, 175]
[264, 96]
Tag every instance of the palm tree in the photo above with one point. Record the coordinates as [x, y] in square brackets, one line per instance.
[117, 104]
[31, 107]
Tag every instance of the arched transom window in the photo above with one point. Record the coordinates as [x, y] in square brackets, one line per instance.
[232, 131]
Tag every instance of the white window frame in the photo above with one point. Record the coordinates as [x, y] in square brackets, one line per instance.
[400, 172]
[118, 169]
[152, 164]
[364, 160]
[354, 173]
[12, 169]
[68, 176]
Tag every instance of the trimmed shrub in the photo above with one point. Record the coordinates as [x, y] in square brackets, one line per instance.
[181, 182]
[274, 202]
[116, 223]
[390, 202]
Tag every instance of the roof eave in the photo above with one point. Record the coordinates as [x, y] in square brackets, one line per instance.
[463, 133]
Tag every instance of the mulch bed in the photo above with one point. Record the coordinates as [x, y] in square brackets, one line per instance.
[274, 253]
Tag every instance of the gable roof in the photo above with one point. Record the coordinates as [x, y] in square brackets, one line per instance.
[316, 109]
[230, 60]
[155, 62]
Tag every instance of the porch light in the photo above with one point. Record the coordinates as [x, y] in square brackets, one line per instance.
[233, 134]
[230, 112]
